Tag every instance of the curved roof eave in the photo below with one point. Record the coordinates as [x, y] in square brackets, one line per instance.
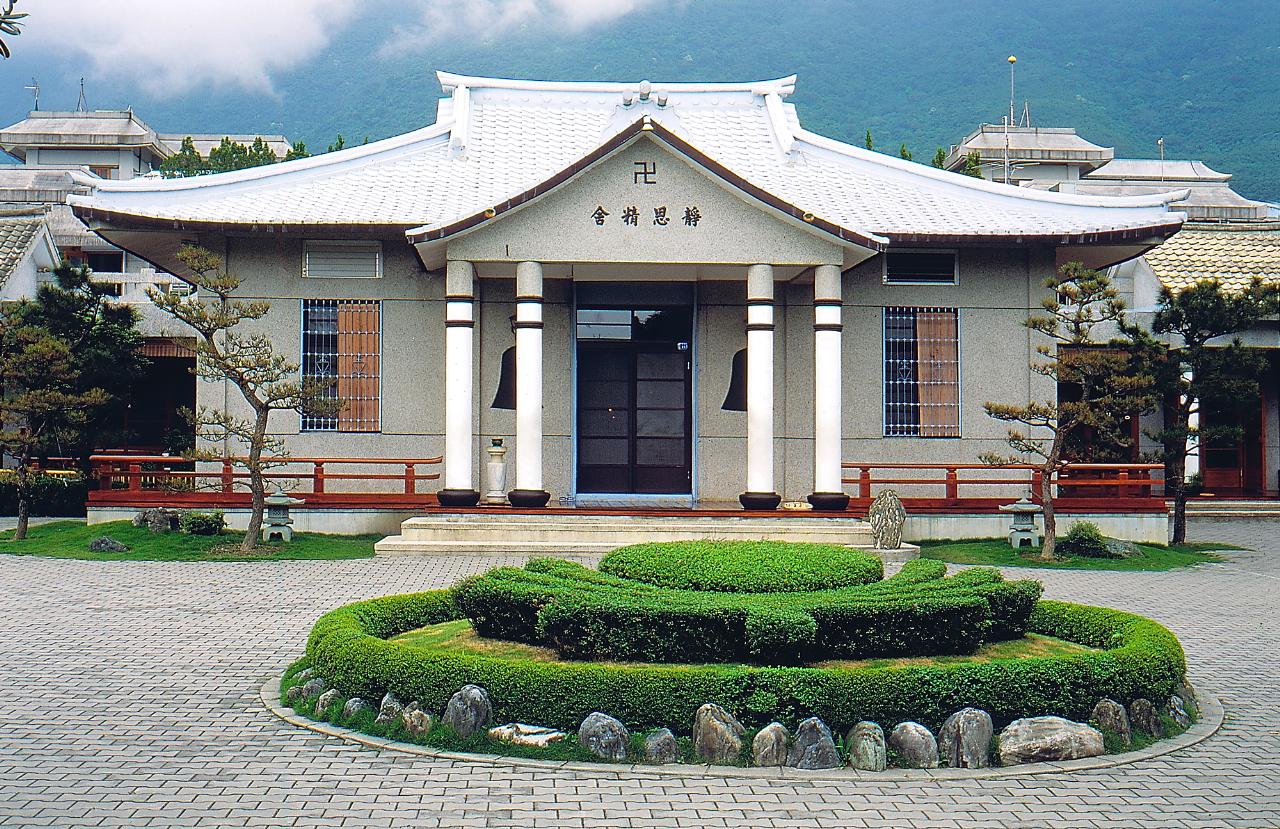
[990, 187]
[848, 236]
[450, 81]
[143, 184]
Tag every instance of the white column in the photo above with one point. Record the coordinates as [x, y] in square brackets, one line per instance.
[828, 300]
[529, 491]
[760, 492]
[1192, 466]
[459, 417]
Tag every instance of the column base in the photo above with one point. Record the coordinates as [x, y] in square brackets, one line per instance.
[829, 501]
[458, 497]
[760, 500]
[536, 498]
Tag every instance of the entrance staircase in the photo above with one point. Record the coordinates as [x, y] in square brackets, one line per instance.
[1232, 508]
[569, 532]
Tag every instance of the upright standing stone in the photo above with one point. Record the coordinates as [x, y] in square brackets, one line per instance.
[604, 736]
[327, 699]
[915, 744]
[1143, 717]
[813, 747]
[660, 747]
[965, 739]
[769, 748]
[389, 711]
[717, 735]
[1110, 716]
[352, 707]
[468, 711]
[1178, 711]
[867, 749]
[314, 687]
[414, 720]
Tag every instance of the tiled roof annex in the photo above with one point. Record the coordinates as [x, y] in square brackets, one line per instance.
[502, 139]
[1232, 255]
[17, 233]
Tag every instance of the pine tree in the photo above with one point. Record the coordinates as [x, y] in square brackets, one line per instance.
[249, 363]
[972, 165]
[1104, 372]
[870, 145]
[9, 25]
[185, 162]
[298, 150]
[939, 159]
[904, 153]
[337, 145]
[1191, 374]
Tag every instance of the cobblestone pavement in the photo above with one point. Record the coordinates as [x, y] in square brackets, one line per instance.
[128, 697]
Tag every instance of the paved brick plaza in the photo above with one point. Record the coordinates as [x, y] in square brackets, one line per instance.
[129, 697]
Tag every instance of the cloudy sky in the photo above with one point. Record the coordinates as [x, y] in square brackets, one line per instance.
[171, 46]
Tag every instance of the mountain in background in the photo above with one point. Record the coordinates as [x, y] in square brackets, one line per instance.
[1204, 76]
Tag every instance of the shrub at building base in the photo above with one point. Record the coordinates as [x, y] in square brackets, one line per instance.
[1138, 659]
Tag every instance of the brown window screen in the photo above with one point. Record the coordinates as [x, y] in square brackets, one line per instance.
[921, 372]
[342, 342]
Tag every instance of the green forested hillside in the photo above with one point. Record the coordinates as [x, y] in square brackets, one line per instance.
[1205, 76]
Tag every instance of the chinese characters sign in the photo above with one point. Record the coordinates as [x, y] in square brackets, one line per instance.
[646, 173]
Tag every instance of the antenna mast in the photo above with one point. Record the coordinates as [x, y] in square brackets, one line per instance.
[81, 105]
[1160, 144]
[34, 89]
[1010, 119]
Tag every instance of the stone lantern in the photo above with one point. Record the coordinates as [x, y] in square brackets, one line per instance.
[277, 519]
[496, 473]
[1023, 531]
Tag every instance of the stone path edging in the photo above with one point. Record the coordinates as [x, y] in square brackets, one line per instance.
[1212, 714]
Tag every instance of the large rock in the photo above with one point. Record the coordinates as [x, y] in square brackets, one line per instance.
[314, 687]
[604, 737]
[389, 711]
[353, 706]
[293, 694]
[107, 544]
[1048, 739]
[157, 520]
[1110, 716]
[327, 699]
[813, 747]
[660, 747]
[468, 711]
[1143, 718]
[770, 746]
[717, 735]
[1178, 711]
[867, 749]
[304, 674]
[415, 721]
[915, 744]
[520, 734]
[965, 739]
[1188, 694]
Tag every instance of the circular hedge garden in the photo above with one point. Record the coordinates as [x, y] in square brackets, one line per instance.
[651, 655]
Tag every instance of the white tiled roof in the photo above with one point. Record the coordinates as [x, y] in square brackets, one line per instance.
[497, 140]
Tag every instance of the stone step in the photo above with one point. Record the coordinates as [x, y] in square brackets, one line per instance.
[1224, 508]
[519, 534]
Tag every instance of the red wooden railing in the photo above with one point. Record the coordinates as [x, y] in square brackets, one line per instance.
[142, 479]
[976, 487]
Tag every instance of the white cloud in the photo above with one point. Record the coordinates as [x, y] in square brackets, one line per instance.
[441, 18]
[173, 46]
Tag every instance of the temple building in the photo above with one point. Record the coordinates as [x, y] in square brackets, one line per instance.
[662, 293]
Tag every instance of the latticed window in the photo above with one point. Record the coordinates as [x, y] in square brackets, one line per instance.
[921, 372]
[342, 342]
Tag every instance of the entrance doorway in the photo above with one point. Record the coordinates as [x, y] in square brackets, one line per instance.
[635, 399]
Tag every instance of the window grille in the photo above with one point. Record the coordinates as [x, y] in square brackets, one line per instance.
[342, 260]
[921, 372]
[342, 343]
[920, 267]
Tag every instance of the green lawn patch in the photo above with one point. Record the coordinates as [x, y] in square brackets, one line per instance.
[996, 552]
[70, 539]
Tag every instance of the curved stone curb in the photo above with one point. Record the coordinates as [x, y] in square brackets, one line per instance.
[1211, 717]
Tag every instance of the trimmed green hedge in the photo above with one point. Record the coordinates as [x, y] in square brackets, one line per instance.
[744, 566]
[585, 614]
[50, 495]
[1141, 659]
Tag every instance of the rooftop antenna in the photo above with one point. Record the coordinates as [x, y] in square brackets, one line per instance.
[1026, 114]
[81, 105]
[1010, 119]
[1160, 144]
[34, 89]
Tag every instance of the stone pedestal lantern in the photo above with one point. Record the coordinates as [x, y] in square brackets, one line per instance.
[277, 519]
[1023, 531]
[496, 473]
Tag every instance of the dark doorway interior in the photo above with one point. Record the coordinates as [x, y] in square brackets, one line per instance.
[635, 400]
[153, 422]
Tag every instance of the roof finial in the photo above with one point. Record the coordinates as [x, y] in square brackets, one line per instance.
[645, 89]
[81, 105]
[34, 89]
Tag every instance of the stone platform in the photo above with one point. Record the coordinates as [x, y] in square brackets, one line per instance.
[463, 533]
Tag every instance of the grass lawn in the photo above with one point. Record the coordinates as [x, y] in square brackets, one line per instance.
[458, 637]
[996, 552]
[70, 539]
